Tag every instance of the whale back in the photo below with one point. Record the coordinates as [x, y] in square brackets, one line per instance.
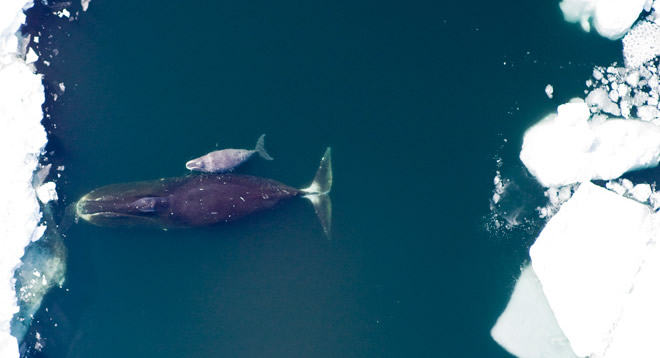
[182, 202]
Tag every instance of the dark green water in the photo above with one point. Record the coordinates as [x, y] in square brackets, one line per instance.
[414, 98]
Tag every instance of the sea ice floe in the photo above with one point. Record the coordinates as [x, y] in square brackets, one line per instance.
[22, 139]
[611, 18]
[597, 258]
[567, 147]
[593, 260]
[641, 44]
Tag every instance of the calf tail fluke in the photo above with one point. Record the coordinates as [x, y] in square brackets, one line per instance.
[261, 149]
[318, 192]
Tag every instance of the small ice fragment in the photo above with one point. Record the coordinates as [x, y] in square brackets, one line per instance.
[38, 233]
[47, 192]
[85, 4]
[549, 90]
[598, 75]
[614, 96]
[64, 13]
[633, 79]
[623, 90]
[61, 85]
[31, 56]
[600, 100]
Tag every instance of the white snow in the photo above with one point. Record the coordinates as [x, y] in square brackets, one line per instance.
[566, 147]
[611, 18]
[589, 259]
[22, 139]
[527, 328]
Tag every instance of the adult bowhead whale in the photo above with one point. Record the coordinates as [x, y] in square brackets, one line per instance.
[199, 200]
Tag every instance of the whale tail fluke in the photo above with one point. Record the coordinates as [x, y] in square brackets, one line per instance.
[318, 192]
[261, 149]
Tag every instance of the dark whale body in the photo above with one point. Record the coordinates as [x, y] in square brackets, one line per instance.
[198, 200]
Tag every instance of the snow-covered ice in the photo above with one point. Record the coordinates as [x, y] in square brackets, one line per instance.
[597, 260]
[641, 44]
[22, 139]
[587, 259]
[611, 18]
[567, 147]
[47, 192]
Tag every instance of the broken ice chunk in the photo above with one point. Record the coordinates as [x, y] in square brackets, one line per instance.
[47, 192]
[549, 90]
[587, 258]
[527, 327]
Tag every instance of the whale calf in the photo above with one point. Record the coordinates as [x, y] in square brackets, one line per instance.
[225, 160]
[199, 200]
